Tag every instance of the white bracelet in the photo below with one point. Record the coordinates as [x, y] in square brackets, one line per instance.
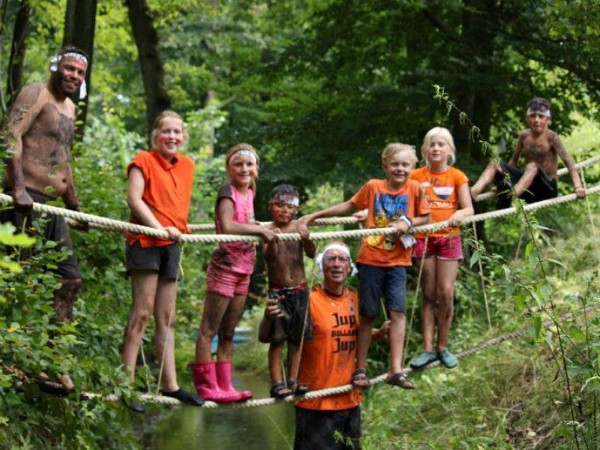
[406, 220]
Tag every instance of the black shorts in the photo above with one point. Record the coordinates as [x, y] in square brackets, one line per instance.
[164, 260]
[296, 310]
[55, 229]
[329, 430]
[542, 188]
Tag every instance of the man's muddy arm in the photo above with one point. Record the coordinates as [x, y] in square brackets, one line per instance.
[71, 202]
[272, 312]
[70, 197]
[23, 113]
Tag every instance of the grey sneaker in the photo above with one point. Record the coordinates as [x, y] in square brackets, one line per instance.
[447, 358]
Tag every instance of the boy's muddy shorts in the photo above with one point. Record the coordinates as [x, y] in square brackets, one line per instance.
[296, 311]
[542, 188]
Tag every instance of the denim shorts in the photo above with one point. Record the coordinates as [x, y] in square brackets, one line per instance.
[164, 260]
[377, 282]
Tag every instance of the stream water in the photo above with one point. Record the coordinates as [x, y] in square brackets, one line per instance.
[257, 428]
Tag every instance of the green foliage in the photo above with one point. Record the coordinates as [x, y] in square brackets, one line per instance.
[551, 371]
[474, 131]
[31, 342]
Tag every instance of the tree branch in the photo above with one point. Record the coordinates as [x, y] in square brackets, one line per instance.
[440, 25]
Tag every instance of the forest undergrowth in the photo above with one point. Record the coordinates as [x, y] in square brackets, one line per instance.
[537, 391]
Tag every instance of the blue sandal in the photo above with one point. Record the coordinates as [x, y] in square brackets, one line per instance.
[447, 358]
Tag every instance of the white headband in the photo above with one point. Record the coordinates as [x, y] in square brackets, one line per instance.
[56, 59]
[334, 246]
[242, 152]
[541, 112]
[294, 201]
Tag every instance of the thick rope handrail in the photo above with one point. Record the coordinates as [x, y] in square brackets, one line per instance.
[153, 232]
[93, 220]
[350, 220]
[117, 225]
[149, 398]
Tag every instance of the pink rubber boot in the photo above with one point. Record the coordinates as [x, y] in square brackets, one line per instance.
[205, 380]
[224, 379]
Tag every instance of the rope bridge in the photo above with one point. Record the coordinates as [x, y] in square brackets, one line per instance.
[149, 398]
[115, 225]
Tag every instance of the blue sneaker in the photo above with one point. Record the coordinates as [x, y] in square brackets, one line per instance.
[447, 358]
[423, 359]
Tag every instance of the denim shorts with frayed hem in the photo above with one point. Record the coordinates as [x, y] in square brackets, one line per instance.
[377, 282]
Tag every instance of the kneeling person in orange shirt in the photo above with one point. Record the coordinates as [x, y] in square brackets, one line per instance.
[328, 360]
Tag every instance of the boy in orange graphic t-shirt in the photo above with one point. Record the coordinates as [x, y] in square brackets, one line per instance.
[399, 203]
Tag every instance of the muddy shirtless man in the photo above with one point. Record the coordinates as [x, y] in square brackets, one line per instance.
[287, 286]
[541, 148]
[39, 138]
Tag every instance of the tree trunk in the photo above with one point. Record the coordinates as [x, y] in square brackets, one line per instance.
[471, 97]
[146, 39]
[80, 25]
[17, 52]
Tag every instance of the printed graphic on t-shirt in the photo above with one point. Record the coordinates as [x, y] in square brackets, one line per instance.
[344, 331]
[442, 194]
[387, 209]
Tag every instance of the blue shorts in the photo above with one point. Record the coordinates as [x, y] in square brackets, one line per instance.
[376, 282]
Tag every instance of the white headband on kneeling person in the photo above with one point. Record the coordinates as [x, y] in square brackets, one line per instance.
[334, 246]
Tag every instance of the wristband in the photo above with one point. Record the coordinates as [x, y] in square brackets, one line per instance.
[406, 220]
